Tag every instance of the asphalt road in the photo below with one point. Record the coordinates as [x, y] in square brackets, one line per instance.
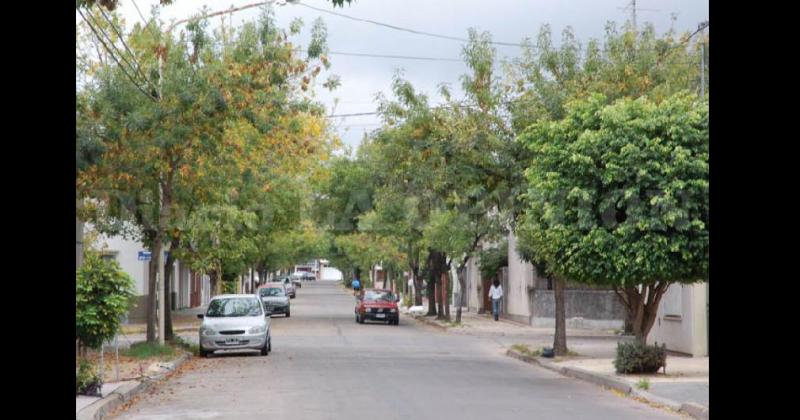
[326, 366]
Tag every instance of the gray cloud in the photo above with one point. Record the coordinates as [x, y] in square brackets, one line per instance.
[507, 20]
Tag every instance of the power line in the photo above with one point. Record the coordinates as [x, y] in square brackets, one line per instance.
[143, 19]
[125, 45]
[401, 57]
[110, 41]
[356, 114]
[139, 11]
[399, 28]
[114, 57]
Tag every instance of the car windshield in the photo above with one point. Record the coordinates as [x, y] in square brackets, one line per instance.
[379, 295]
[231, 307]
[271, 291]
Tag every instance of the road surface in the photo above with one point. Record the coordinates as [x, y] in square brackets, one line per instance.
[326, 366]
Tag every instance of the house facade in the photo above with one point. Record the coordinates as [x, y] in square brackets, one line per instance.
[528, 297]
[681, 323]
[189, 289]
[682, 320]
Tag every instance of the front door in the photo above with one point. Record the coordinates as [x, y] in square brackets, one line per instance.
[487, 301]
[196, 289]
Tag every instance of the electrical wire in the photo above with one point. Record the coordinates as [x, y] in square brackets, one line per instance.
[114, 57]
[125, 45]
[399, 28]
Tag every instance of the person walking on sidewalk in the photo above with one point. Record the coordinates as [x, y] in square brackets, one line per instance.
[496, 293]
[356, 287]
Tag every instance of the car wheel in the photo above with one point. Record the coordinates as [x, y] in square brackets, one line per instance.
[204, 353]
[265, 349]
[360, 320]
[288, 314]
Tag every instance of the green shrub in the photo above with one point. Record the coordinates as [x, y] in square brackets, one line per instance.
[87, 381]
[491, 260]
[526, 350]
[635, 357]
[229, 287]
[643, 383]
[102, 296]
[146, 350]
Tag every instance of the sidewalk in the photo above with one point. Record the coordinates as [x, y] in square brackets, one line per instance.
[182, 320]
[686, 379]
[115, 394]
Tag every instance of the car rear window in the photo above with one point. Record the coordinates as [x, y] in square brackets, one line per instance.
[233, 307]
[379, 296]
[271, 291]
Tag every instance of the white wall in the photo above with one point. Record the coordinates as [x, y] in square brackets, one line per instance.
[520, 277]
[474, 299]
[127, 254]
[681, 321]
[331, 273]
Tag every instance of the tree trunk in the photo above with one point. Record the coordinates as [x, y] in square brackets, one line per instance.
[446, 295]
[431, 292]
[169, 272]
[151, 299]
[560, 339]
[417, 285]
[213, 282]
[462, 286]
[642, 307]
[439, 300]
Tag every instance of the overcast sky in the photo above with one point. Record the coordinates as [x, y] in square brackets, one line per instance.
[363, 77]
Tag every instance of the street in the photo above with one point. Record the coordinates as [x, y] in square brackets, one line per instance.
[326, 366]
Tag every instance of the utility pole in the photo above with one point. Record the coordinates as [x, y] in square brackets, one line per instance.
[633, 13]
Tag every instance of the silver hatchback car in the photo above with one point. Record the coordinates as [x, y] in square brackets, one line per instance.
[235, 322]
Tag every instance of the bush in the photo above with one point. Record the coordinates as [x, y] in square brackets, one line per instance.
[87, 381]
[229, 287]
[635, 357]
[146, 350]
[103, 294]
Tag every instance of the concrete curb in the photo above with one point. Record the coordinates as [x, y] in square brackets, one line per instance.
[100, 408]
[694, 410]
[425, 321]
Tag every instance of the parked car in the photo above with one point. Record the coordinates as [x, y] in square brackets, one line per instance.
[275, 298]
[291, 288]
[307, 276]
[298, 277]
[235, 322]
[377, 305]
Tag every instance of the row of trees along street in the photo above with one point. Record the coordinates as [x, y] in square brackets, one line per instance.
[595, 156]
[210, 143]
[201, 143]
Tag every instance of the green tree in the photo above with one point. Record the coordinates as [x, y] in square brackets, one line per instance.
[202, 132]
[544, 79]
[618, 196]
[103, 294]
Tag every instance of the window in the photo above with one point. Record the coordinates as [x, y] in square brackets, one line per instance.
[375, 295]
[673, 301]
[234, 307]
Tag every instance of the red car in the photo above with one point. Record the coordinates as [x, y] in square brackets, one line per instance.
[377, 305]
